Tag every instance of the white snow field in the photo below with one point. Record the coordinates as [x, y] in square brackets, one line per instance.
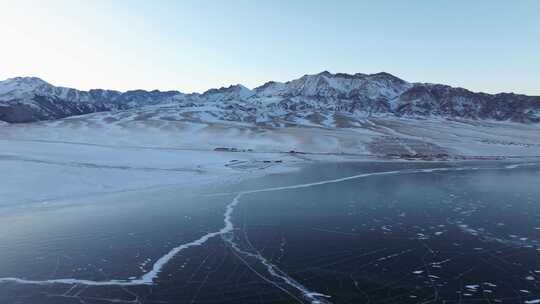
[146, 148]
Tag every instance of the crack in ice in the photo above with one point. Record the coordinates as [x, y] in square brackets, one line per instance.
[314, 297]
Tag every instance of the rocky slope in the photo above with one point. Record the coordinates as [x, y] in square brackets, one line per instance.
[309, 99]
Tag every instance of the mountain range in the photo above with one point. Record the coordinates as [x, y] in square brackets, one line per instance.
[310, 97]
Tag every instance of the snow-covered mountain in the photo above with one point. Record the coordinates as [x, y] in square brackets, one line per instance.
[26, 99]
[334, 98]
[338, 86]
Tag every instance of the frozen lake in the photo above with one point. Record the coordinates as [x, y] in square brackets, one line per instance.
[364, 232]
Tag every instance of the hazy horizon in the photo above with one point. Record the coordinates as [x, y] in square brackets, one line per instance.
[483, 46]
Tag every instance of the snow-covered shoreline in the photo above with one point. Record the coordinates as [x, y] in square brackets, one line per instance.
[38, 172]
[87, 155]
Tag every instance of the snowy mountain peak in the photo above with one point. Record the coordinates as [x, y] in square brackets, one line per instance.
[233, 92]
[22, 87]
[30, 81]
[271, 88]
[340, 85]
[22, 83]
[324, 73]
[385, 75]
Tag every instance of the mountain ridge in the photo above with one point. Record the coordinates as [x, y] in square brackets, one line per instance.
[28, 99]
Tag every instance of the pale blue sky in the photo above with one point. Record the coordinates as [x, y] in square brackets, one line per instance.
[490, 46]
